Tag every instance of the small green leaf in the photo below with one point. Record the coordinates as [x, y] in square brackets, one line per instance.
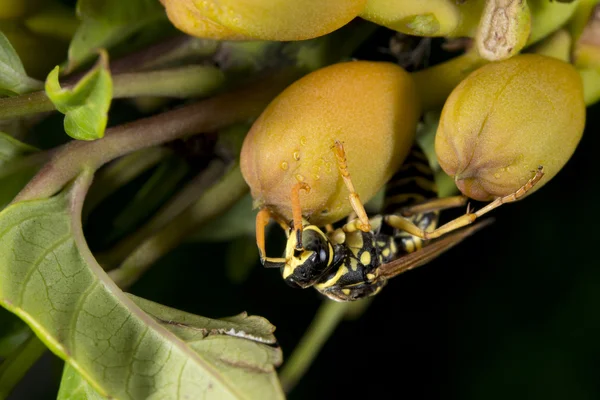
[105, 23]
[86, 104]
[123, 346]
[15, 171]
[13, 78]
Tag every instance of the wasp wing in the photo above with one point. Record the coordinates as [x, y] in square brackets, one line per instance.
[432, 250]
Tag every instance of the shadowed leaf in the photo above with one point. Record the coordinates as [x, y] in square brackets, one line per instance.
[13, 78]
[106, 22]
[15, 171]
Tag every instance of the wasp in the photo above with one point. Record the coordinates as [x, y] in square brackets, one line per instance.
[356, 260]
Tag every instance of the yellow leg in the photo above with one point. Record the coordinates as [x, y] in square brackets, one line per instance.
[355, 202]
[434, 205]
[464, 220]
[262, 219]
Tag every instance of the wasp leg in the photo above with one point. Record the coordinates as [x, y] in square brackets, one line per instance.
[297, 211]
[464, 220]
[355, 202]
[262, 219]
[434, 205]
[329, 228]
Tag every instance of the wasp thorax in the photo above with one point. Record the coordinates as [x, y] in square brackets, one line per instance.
[507, 119]
[305, 264]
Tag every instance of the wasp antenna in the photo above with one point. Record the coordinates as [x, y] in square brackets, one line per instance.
[297, 211]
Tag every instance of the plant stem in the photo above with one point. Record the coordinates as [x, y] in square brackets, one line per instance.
[434, 84]
[591, 85]
[171, 51]
[119, 173]
[181, 201]
[218, 199]
[16, 366]
[207, 115]
[184, 82]
[326, 320]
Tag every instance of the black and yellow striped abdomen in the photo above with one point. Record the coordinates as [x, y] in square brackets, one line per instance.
[412, 184]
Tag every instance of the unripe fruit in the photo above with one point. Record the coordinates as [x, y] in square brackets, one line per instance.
[426, 17]
[371, 107]
[261, 19]
[505, 120]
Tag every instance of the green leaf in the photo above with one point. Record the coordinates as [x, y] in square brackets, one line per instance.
[86, 104]
[49, 278]
[13, 78]
[105, 23]
[15, 169]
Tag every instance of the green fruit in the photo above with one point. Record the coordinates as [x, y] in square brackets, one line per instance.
[371, 107]
[505, 120]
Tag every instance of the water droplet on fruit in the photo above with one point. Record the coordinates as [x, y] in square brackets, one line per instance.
[283, 165]
[296, 155]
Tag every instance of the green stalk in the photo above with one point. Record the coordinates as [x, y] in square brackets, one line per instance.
[326, 320]
[119, 173]
[16, 366]
[181, 201]
[184, 82]
[218, 199]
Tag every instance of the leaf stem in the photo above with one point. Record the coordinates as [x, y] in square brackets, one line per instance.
[326, 320]
[119, 173]
[181, 201]
[183, 82]
[18, 363]
[207, 115]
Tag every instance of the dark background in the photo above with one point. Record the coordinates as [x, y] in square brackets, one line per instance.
[513, 312]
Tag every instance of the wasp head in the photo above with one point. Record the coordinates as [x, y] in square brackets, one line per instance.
[307, 259]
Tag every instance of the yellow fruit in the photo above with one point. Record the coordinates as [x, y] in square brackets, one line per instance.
[371, 107]
[261, 19]
[506, 119]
